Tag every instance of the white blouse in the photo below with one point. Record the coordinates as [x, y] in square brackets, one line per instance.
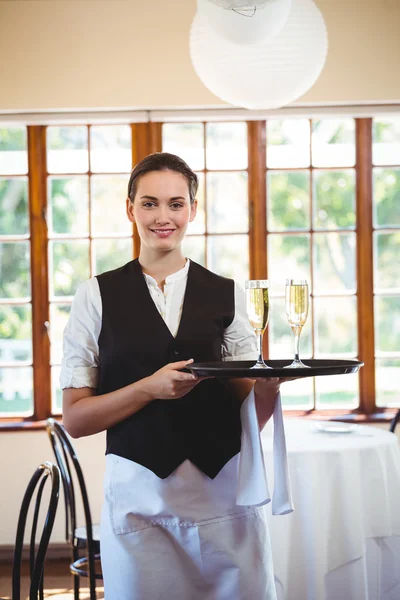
[80, 367]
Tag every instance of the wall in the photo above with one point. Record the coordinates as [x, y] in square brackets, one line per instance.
[21, 453]
[58, 54]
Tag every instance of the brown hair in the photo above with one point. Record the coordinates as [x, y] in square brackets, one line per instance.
[162, 161]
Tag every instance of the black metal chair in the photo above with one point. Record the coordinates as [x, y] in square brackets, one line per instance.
[36, 558]
[82, 540]
[394, 421]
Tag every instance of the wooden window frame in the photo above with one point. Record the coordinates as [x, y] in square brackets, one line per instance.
[367, 411]
[147, 138]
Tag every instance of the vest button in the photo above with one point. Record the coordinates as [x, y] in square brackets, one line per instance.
[176, 352]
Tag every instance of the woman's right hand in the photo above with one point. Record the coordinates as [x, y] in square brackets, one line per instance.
[169, 382]
[85, 413]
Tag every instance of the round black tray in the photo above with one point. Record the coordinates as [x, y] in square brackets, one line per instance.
[243, 368]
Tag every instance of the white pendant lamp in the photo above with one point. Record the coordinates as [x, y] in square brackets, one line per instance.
[245, 23]
[267, 74]
[242, 4]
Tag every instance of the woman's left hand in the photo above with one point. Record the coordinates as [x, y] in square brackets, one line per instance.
[270, 384]
[265, 392]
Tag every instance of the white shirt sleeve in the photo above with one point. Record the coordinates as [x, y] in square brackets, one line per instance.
[80, 365]
[239, 341]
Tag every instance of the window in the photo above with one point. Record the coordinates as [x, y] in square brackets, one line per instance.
[284, 198]
[386, 246]
[88, 232]
[16, 374]
[311, 223]
[219, 236]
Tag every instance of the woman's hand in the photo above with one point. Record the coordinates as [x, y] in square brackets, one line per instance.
[169, 382]
[267, 387]
[265, 392]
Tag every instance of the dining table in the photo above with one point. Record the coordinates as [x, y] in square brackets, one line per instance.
[342, 541]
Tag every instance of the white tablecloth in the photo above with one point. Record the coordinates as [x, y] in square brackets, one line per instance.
[342, 542]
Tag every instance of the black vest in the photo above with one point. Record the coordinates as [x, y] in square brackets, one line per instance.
[203, 426]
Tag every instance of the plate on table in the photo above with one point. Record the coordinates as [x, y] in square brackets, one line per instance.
[331, 427]
[243, 368]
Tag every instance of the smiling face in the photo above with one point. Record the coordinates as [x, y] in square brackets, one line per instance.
[161, 209]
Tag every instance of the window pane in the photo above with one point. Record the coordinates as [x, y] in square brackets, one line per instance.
[226, 145]
[56, 392]
[59, 314]
[288, 200]
[108, 204]
[15, 281]
[333, 143]
[280, 336]
[67, 149]
[228, 255]
[227, 204]
[199, 223]
[335, 327]
[386, 272]
[13, 151]
[298, 394]
[16, 391]
[387, 324]
[111, 254]
[15, 333]
[387, 381]
[337, 391]
[187, 141]
[194, 247]
[110, 148]
[334, 199]
[69, 205]
[70, 266]
[386, 197]
[14, 217]
[386, 141]
[288, 258]
[335, 262]
[288, 143]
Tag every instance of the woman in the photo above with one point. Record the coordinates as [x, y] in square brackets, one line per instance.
[172, 525]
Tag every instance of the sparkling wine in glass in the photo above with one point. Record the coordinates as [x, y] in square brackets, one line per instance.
[257, 304]
[296, 304]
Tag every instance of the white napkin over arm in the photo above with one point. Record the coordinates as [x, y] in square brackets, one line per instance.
[252, 478]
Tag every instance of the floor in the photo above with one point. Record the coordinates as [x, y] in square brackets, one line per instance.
[57, 582]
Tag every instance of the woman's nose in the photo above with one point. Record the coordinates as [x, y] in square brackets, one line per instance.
[162, 215]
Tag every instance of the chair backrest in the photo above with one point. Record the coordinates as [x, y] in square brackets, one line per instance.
[394, 421]
[68, 463]
[36, 559]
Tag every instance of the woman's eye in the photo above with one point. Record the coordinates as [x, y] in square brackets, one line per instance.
[148, 204]
[176, 205]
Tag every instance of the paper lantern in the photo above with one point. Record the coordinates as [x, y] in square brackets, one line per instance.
[242, 4]
[245, 25]
[268, 74]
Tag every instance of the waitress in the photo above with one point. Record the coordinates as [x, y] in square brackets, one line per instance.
[172, 526]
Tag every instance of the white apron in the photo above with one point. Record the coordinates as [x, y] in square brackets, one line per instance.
[189, 537]
[182, 538]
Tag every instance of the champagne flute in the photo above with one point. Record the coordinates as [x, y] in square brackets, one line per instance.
[257, 304]
[296, 304]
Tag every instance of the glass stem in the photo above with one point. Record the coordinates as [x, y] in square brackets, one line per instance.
[296, 331]
[259, 348]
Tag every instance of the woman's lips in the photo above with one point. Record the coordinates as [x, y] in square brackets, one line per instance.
[162, 233]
